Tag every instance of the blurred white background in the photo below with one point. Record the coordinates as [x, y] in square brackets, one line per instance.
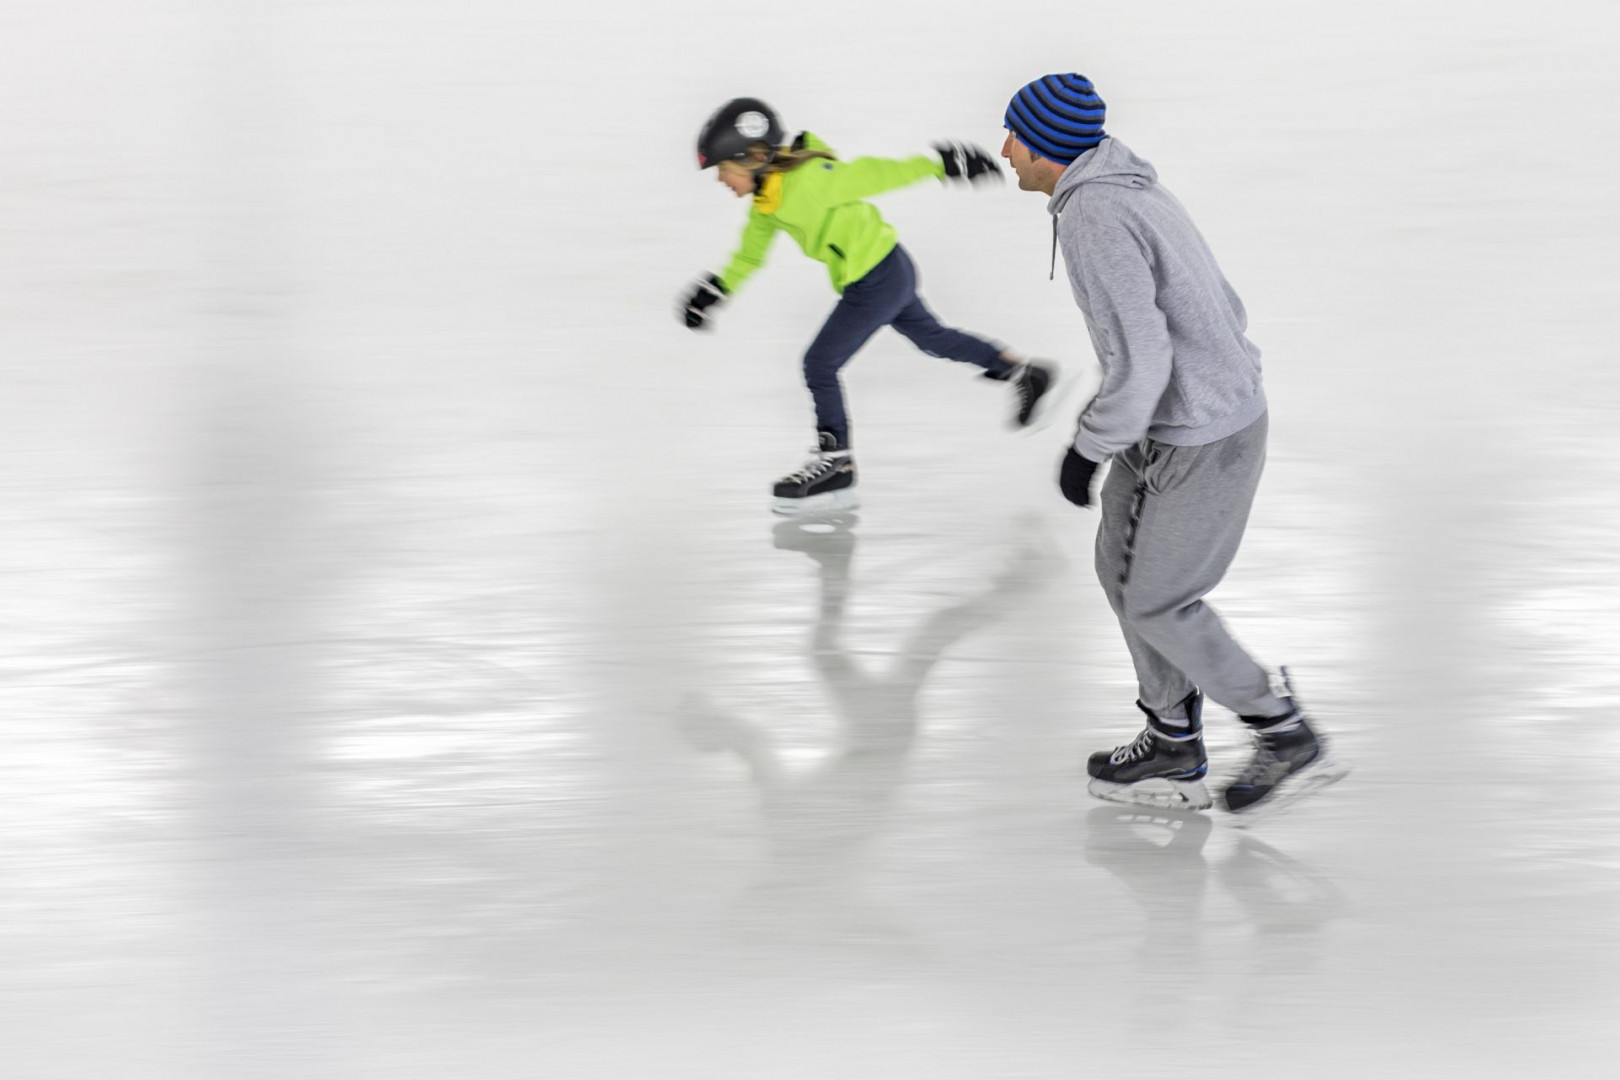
[400, 675]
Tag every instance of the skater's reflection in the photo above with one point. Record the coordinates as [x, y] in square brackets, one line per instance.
[1163, 859]
[819, 819]
[1159, 856]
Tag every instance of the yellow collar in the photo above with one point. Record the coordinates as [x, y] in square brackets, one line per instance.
[769, 196]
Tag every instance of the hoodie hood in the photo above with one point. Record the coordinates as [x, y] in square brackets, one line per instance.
[1112, 162]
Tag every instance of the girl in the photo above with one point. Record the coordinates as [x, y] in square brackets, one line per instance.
[804, 190]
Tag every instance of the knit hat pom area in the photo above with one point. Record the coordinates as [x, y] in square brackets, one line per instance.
[1058, 117]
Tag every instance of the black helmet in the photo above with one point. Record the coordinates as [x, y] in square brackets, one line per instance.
[737, 125]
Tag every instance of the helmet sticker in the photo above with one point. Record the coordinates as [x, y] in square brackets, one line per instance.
[753, 124]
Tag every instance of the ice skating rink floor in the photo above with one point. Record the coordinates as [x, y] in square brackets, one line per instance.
[401, 677]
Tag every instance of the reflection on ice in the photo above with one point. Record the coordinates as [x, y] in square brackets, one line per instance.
[819, 815]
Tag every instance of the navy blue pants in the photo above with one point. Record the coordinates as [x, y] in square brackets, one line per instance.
[886, 296]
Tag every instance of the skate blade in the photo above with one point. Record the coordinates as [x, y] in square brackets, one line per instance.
[1159, 794]
[1321, 773]
[832, 502]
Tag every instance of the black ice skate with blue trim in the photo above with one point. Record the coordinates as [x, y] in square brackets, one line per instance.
[1291, 760]
[1164, 766]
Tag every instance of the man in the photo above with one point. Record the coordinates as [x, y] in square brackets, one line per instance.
[1182, 415]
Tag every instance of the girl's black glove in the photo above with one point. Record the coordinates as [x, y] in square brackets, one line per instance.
[705, 294]
[967, 163]
[1075, 477]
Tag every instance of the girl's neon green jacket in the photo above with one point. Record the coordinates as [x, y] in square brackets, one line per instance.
[819, 205]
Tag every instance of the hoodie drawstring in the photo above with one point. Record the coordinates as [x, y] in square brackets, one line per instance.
[1052, 276]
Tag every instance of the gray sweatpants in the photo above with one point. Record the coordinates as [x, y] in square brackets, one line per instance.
[1172, 519]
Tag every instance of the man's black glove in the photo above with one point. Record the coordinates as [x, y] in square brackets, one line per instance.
[705, 294]
[1075, 477]
[967, 163]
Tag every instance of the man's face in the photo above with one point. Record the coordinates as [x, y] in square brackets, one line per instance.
[1022, 162]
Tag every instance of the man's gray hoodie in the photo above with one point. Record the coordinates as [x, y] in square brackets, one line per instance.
[1167, 328]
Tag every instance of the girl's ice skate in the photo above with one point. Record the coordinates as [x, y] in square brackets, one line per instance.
[1030, 380]
[826, 483]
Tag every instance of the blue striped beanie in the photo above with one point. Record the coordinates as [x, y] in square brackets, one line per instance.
[1057, 116]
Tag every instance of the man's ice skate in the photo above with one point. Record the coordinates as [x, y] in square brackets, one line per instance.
[1163, 767]
[1030, 382]
[826, 483]
[1290, 761]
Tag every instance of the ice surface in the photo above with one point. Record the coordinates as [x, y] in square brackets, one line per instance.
[400, 676]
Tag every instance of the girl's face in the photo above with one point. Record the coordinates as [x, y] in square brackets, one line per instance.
[737, 177]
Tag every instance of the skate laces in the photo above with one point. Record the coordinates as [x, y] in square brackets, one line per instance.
[1141, 748]
[814, 469]
[1266, 767]
[1024, 386]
